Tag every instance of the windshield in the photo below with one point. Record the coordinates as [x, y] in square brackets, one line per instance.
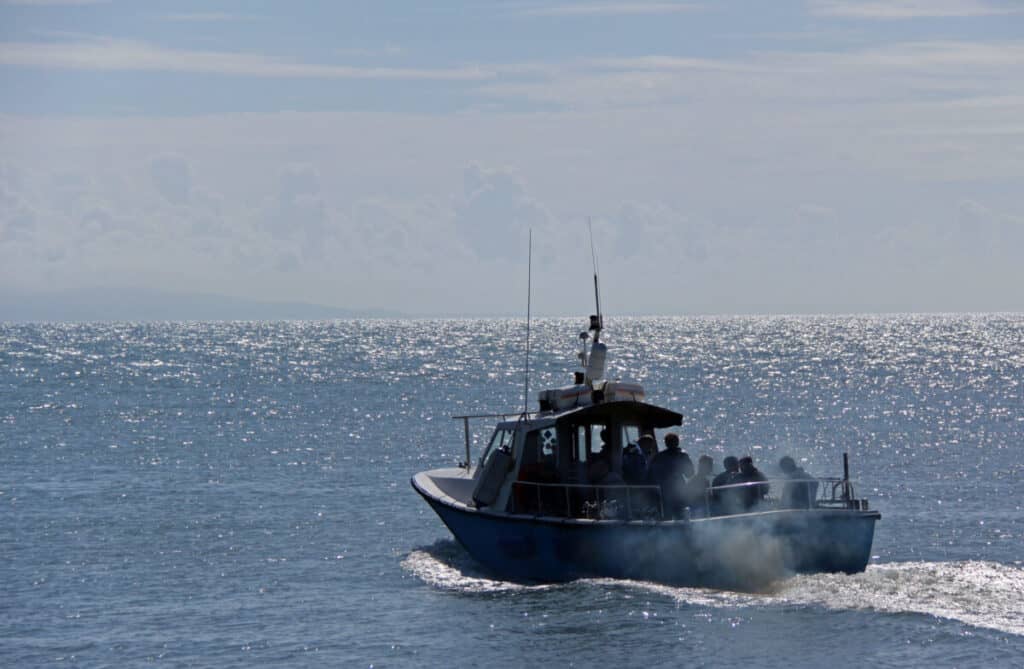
[501, 439]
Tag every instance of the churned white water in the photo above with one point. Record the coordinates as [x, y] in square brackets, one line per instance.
[982, 594]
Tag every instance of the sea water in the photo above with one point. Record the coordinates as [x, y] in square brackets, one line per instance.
[237, 494]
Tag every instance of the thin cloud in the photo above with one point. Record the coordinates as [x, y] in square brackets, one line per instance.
[908, 9]
[937, 55]
[612, 9]
[655, 63]
[206, 17]
[902, 71]
[128, 55]
[47, 3]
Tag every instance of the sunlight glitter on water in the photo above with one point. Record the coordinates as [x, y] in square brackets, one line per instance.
[194, 499]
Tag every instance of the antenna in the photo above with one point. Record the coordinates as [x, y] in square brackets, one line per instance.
[596, 323]
[529, 276]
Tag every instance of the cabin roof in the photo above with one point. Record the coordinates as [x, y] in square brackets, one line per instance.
[624, 411]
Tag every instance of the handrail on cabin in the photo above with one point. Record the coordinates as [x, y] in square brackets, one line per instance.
[465, 426]
[495, 415]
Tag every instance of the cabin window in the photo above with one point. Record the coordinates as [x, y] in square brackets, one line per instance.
[630, 434]
[587, 442]
[501, 440]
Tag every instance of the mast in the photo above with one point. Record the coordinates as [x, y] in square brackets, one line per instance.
[596, 323]
[594, 363]
[529, 277]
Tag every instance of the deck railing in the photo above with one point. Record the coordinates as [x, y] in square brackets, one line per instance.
[584, 500]
[646, 502]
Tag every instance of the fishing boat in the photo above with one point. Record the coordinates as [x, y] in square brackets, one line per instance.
[547, 500]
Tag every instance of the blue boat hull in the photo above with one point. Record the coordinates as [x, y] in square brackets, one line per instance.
[743, 551]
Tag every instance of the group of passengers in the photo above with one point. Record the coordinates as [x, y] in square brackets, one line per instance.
[737, 489]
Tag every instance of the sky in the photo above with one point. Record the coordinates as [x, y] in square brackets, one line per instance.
[794, 156]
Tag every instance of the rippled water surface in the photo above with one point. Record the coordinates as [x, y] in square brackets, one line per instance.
[237, 495]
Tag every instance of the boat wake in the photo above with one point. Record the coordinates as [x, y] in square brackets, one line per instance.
[976, 593]
[981, 594]
[446, 565]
